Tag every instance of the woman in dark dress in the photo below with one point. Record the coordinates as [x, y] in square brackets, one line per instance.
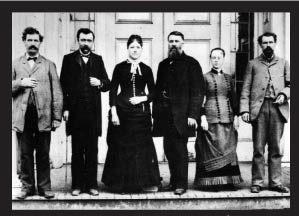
[131, 163]
[217, 163]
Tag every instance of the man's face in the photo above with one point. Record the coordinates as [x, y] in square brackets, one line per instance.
[85, 42]
[32, 44]
[268, 46]
[175, 44]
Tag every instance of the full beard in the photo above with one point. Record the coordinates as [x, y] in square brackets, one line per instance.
[85, 49]
[173, 53]
[268, 52]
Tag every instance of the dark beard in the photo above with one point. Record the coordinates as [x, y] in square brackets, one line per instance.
[85, 49]
[268, 52]
[173, 53]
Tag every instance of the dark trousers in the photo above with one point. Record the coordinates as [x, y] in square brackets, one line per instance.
[175, 148]
[267, 128]
[31, 139]
[84, 159]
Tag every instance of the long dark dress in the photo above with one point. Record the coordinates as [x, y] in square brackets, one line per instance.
[131, 161]
[216, 157]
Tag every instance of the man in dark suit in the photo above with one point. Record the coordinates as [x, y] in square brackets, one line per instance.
[176, 109]
[37, 109]
[83, 78]
[264, 104]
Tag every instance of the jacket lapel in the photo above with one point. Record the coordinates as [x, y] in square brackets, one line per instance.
[25, 64]
[78, 58]
[36, 65]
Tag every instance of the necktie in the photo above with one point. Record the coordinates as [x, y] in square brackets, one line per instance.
[31, 58]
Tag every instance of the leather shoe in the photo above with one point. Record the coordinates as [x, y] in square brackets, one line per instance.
[76, 192]
[150, 189]
[179, 191]
[47, 194]
[255, 189]
[23, 194]
[169, 187]
[93, 192]
[280, 189]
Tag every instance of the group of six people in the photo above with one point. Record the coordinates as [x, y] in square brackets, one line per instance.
[183, 100]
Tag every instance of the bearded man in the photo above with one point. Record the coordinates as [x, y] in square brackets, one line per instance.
[176, 108]
[264, 104]
[83, 78]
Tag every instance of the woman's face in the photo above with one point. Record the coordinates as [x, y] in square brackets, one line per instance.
[135, 50]
[217, 59]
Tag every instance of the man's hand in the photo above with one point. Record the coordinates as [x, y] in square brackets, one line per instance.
[236, 123]
[192, 122]
[280, 99]
[94, 81]
[115, 119]
[66, 115]
[137, 99]
[29, 82]
[204, 123]
[246, 117]
[55, 124]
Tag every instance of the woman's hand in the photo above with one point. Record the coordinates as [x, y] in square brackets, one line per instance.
[236, 123]
[204, 123]
[137, 99]
[114, 116]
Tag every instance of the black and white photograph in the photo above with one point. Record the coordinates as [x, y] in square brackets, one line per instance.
[151, 110]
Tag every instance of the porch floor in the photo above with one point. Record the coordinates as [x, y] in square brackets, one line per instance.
[193, 199]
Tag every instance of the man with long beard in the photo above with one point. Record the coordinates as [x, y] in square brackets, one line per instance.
[264, 104]
[83, 78]
[176, 108]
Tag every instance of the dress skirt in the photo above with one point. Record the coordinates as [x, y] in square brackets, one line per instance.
[216, 158]
[131, 161]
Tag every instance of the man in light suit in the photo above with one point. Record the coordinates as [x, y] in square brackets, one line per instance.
[264, 103]
[37, 109]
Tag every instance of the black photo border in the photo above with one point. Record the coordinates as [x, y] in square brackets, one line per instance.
[6, 10]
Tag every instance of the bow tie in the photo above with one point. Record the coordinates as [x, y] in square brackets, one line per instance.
[86, 56]
[31, 58]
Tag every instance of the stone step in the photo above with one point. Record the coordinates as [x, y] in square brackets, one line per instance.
[193, 199]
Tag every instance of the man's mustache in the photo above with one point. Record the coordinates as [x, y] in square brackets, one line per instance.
[33, 47]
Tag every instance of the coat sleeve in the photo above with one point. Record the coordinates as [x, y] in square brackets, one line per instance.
[233, 97]
[286, 89]
[158, 89]
[57, 95]
[150, 85]
[196, 90]
[103, 76]
[246, 89]
[114, 86]
[16, 83]
[65, 83]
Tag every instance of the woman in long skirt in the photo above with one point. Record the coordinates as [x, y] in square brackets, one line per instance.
[131, 163]
[217, 163]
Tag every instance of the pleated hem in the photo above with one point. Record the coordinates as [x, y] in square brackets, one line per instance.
[219, 180]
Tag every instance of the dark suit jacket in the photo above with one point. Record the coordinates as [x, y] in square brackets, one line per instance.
[71, 68]
[186, 88]
[255, 84]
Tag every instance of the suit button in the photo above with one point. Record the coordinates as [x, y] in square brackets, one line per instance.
[263, 89]
[261, 101]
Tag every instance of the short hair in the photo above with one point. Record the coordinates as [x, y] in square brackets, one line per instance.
[217, 48]
[31, 31]
[133, 38]
[177, 33]
[267, 34]
[84, 31]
